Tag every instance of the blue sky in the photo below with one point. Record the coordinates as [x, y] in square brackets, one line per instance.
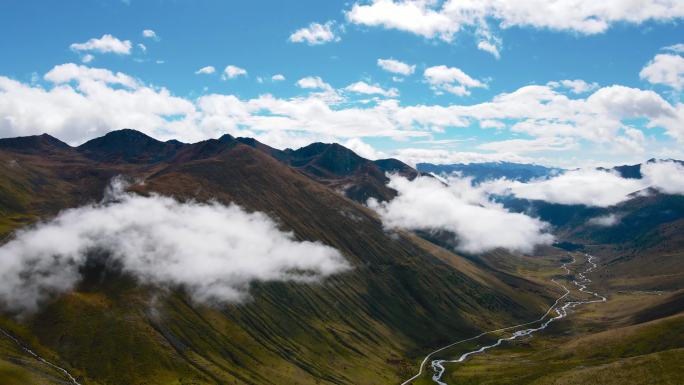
[451, 107]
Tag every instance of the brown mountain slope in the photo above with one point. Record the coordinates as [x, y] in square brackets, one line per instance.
[400, 298]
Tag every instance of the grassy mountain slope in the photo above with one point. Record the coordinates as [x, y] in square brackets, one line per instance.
[600, 344]
[402, 297]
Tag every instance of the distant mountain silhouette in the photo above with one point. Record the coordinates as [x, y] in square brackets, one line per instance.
[491, 170]
[33, 144]
[129, 146]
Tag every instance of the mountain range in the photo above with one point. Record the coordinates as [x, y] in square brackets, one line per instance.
[404, 294]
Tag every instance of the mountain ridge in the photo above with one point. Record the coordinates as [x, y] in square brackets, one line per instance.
[402, 296]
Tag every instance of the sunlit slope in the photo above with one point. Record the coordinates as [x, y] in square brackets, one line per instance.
[602, 345]
[402, 297]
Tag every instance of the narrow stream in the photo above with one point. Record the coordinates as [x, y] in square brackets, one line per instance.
[39, 358]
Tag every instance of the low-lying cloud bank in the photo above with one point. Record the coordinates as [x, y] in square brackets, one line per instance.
[468, 210]
[667, 177]
[578, 187]
[478, 223]
[212, 250]
[591, 187]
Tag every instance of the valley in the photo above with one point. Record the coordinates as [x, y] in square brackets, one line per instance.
[403, 294]
[612, 336]
[561, 308]
[364, 192]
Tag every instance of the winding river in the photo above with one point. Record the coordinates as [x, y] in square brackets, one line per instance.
[561, 311]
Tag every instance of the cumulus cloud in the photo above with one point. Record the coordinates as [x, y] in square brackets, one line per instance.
[665, 69]
[418, 17]
[69, 72]
[443, 20]
[396, 66]
[451, 79]
[361, 87]
[313, 82]
[107, 43]
[479, 224]
[206, 70]
[94, 101]
[85, 102]
[278, 77]
[315, 34]
[231, 72]
[211, 250]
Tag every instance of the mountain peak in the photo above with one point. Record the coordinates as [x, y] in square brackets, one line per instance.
[328, 157]
[33, 144]
[128, 145]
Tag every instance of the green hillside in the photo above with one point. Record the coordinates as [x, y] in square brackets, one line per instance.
[366, 326]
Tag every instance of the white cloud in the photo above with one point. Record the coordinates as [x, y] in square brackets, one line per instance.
[412, 16]
[594, 187]
[231, 72]
[150, 34]
[665, 176]
[396, 66]
[313, 82]
[414, 156]
[315, 34]
[142, 47]
[371, 89]
[679, 48]
[605, 220]
[521, 146]
[489, 46]
[86, 102]
[434, 19]
[479, 224]
[278, 77]
[212, 250]
[206, 70]
[82, 105]
[576, 86]
[665, 69]
[363, 149]
[489, 123]
[451, 79]
[587, 187]
[68, 72]
[107, 43]
[87, 58]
